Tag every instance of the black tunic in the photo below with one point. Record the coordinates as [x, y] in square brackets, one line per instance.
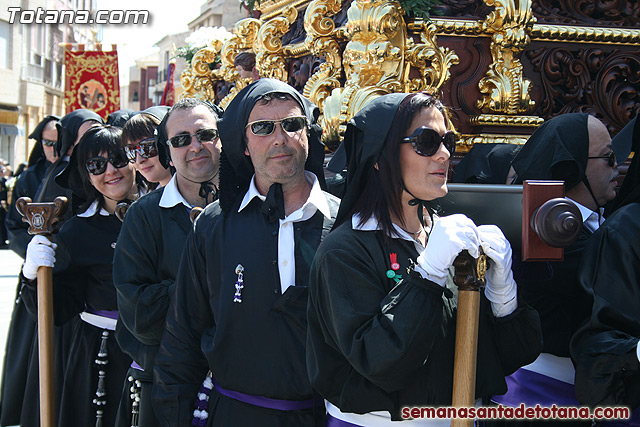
[377, 346]
[604, 350]
[552, 288]
[145, 264]
[82, 278]
[255, 347]
[22, 326]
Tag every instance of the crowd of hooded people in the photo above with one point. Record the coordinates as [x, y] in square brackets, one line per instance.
[283, 305]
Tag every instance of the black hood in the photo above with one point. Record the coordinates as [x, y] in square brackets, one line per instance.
[629, 138]
[363, 142]
[37, 152]
[557, 150]
[120, 117]
[236, 168]
[68, 128]
[486, 164]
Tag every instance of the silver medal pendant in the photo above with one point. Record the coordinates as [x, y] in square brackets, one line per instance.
[237, 297]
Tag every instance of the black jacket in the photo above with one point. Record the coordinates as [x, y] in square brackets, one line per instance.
[376, 346]
[256, 346]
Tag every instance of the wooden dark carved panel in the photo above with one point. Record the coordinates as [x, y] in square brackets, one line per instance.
[461, 91]
[471, 9]
[614, 13]
[602, 81]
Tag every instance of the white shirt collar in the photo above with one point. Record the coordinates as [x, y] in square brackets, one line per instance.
[171, 195]
[92, 209]
[372, 224]
[315, 201]
[587, 213]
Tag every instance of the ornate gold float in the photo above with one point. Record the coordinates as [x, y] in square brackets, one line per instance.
[504, 66]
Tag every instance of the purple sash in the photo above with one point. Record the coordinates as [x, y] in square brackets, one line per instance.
[532, 388]
[265, 402]
[134, 365]
[335, 422]
[110, 314]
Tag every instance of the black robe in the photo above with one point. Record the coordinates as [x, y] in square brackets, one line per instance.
[376, 346]
[552, 288]
[145, 266]
[22, 326]
[604, 350]
[82, 278]
[255, 347]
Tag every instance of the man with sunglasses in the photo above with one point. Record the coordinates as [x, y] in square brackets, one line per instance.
[574, 148]
[153, 235]
[239, 308]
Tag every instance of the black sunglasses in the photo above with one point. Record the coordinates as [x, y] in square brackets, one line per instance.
[184, 139]
[426, 141]
[146, 148]
[48, 142]
[98, 165]
[266, 127]
[611, 157]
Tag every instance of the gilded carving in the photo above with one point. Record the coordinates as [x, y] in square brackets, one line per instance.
[373, 61]
[505, 89]
[432, 61]
[562, 33]
[245, 33]
[322, 41]
[270, 58]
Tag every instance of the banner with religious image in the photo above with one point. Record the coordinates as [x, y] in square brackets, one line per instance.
[92, 81]
[169, 91]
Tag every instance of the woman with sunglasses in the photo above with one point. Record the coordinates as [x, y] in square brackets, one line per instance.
[140, 146]
[82, 260]
[382, 304]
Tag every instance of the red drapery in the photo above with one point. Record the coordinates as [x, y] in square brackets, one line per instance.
[92, 81]
[169, 92]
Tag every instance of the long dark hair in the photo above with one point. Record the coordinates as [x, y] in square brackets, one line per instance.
[382, 195]
[97, 140]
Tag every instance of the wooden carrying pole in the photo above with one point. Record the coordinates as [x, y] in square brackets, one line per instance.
[42, 218]
[469, 277]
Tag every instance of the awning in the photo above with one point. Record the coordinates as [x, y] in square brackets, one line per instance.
[11, 130]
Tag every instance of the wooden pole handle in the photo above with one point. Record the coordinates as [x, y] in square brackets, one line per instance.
[469, 277]
[45, 347]
[43, 219]
[464, 363]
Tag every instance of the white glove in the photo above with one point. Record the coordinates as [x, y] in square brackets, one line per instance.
[40, 252]
[500, 289]
[638, 351]
[450, 236]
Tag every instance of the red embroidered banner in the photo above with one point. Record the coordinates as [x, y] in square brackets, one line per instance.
[92, 81]
[169, 92]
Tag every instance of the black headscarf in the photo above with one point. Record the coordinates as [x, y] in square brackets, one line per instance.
[68, 128]
[236, 168]
[120, 117]
[37, 152]
[486, 164]
[629, 192]
[363, 142]
[557, 150]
